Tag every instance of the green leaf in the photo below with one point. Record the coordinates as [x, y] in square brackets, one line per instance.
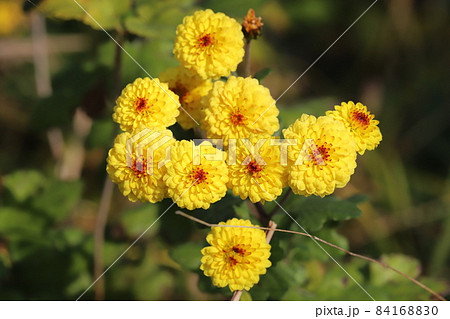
[261, 75]
[58, 199]
[187, 255]
[316, 107]
[107, 13]
[63, 9]
[381, 276]
[312, 212]
[101, 134]
[16, 223]
[158, 19]
[220, 211]
[358, 198]
[306, 249]
[136, 219]
[23, 183]
[278, 279]
[205, 285]
[246, 296]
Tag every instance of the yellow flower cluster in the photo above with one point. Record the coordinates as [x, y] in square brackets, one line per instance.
[237, 255]
[316, 156]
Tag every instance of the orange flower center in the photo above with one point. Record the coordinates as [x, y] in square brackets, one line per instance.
[205, 40]
[361, 118]
[237, 118]
[141, 104]
[199, 176]
[254, 168]
[322, 154]
[139, 168]
[236, 254]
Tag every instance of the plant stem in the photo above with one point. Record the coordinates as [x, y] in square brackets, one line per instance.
[99, 240]
[244, 68]
[260, 213]
[108, 188]
[281, 202]
[326, 243]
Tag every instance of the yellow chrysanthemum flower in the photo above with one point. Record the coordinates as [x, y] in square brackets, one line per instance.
[135, 164]
[237, 255]
[190, 88]
[196, 175]
[360, 123]
[232, 107]
[256, 171]
[324, 157]
[146, 102]
[211, 44]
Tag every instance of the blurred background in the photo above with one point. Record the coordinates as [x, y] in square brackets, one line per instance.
[61, 225]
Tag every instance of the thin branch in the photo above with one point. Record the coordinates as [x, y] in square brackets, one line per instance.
[99, 240]
[105, 201]
[281, 202]
[326, 243]
[244, 67]
[237, 295]
[260, 213]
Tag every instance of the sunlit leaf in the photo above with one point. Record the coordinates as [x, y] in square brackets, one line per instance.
[23, 183]
[408, 265]
[187, 255]
[262, 74]
[19, 223]
[312, 212]
[137, 219]
[58, 199]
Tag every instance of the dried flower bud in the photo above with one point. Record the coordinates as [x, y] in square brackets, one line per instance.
[252, 25]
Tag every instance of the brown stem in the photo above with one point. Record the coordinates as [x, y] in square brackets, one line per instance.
[260, 213]
[99, 240]
[117, 76]
[281, 202]
[326, 243]
[105, 201]
[237, 295]
[244, 68]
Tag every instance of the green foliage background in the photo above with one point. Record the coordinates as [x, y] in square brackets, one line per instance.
[396, 207]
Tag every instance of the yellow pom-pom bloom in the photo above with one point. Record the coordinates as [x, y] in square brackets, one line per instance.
[324, 157]
[146, 102]
[232, 107]
[134, 164]
[360, 123]
[210, 44]
[256, 171]
[237, 255]
[196, 175]
[190, 88]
